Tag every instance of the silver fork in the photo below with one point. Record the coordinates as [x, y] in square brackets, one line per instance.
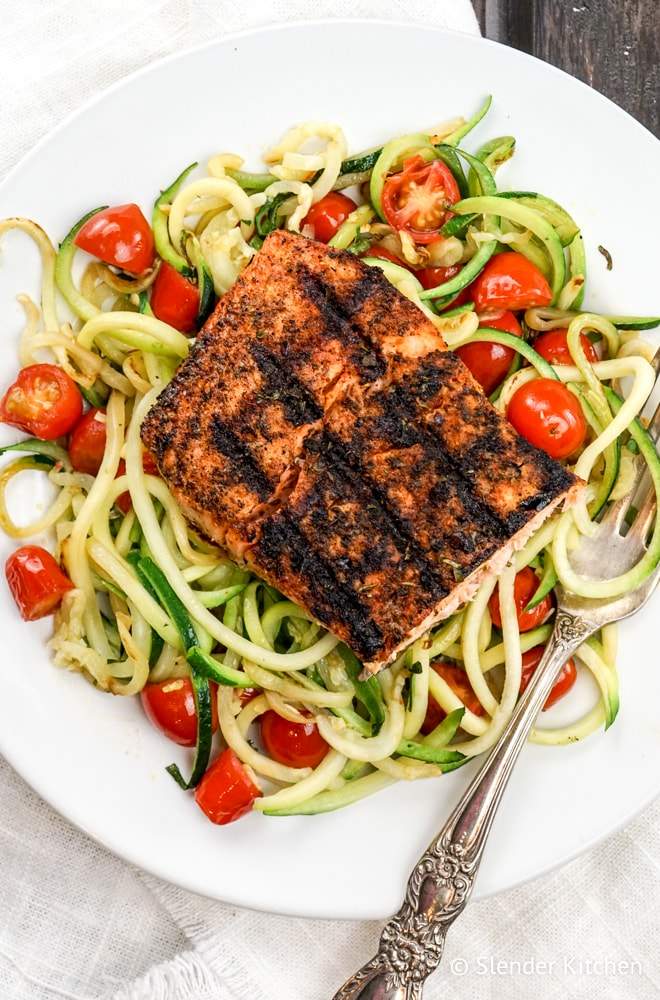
[441, 882]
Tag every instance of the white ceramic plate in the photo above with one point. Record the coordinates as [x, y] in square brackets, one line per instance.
[94, 757]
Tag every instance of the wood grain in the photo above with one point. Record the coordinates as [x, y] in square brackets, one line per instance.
[613, 45]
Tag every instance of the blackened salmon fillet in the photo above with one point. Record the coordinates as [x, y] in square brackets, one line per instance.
[324, 435]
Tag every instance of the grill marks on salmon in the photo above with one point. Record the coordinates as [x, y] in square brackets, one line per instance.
[322, 433]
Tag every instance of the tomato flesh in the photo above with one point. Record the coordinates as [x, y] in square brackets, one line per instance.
[170, 707]
[43, 401]
[292, 743]
[488, 362]
[87, 442]
[553, 346]
[120, 236]
[510, 281]
[87, 447]
[548, 415]
[36, 582]
[524, 588]
[417, 200]
[459, 683]
[565, 679]
[431, 277]
[226, 792]
[175, 299]
[327, 215]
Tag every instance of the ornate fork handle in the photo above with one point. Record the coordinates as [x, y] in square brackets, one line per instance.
[441, 882]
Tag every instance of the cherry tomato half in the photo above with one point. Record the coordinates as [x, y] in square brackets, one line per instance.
[120, 236]
[553, 347]
[417, 200]
[549, 416]
[458, 682]
[524, 588]
[170, 706]
[292, 743]
[43, 401]
[384, 254]
[87, 442]
[227, 790]
[489, 363]
[36, 582]
[565, 680]
[175, 299]
[327, 215]
[431, 277]
[510, 281]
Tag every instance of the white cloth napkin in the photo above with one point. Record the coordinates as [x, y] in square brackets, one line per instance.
[79, 924]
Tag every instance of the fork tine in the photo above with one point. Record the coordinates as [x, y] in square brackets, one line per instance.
[644, 519]
[614, 515]
[616, 512]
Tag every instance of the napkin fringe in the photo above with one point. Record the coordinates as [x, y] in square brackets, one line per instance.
[186, 977]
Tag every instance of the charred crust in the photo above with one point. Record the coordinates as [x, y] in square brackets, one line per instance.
[243, 464]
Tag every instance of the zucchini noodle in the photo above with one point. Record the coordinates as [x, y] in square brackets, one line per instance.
[153, 602]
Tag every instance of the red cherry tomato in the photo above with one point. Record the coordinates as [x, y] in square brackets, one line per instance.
[227, 791]
[458, 682]
[174, 299]
[246, 695]
[549, 416]
[292, 743]
[565, 680]
[510, 281]
[418, 199]
[327, 215]
[120, 236]
[431, 277]
[489, 363]
[36, 582]
[524, 588]
[43, 401]
[170, 706]
[149, 463]
[87, 442]
[384, 254]
[554, 348]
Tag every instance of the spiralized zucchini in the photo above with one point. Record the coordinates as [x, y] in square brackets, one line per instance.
[121, 633]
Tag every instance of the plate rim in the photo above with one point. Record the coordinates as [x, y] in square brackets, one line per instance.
[32, 775]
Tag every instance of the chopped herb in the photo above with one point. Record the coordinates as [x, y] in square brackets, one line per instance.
[362, 242]
[608, 257]
[268, 218]
[416, 668]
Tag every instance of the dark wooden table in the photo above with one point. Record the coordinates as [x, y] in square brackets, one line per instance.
[613, 45]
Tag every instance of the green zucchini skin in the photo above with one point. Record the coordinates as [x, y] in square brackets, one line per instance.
[458, 225]
[329, 801]
[97, 395]
[521, 214]
[162, 241]
[149, 573]
[446, 760]
[157, 641]
[493, 336]
[563, 224]
[47, 452]
[493, 154]
[546, 583]
[368, 692]
[466, 275]
[634, 322]
[67, 248]
[206, 666]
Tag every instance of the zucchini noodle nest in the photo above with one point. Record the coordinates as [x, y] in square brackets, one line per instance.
[153, 601]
